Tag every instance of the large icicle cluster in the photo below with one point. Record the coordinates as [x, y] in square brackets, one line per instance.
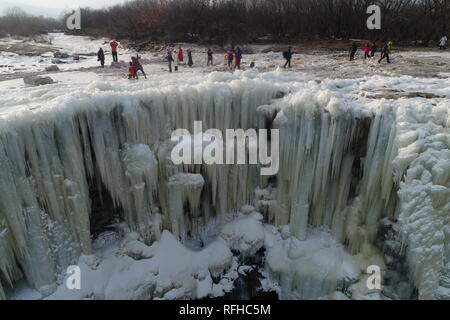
[338, 172]
[118, 143]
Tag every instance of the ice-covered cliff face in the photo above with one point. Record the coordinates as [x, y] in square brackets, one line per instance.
[349, 165]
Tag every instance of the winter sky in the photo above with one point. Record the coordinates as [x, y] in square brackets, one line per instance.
[67, 3]
[54, 7]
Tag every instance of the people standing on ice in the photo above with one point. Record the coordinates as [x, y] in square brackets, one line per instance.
[190, 61]
[443, 42]
[352, 51]
[230, 59]
[374, 48]
[101, 57]
[114, 44]
[180, 55]
[169, 58]
[366, 51]
[132, 72]
[237, 59]
[288, 56]
[386, 51]
[137, 65]
[210, 57]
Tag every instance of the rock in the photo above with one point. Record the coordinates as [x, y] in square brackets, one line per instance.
[53, 67]
[76, 58]
[58, 61]
[60, 55]
[37, 80]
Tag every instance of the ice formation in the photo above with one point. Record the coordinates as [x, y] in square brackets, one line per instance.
[346, 164]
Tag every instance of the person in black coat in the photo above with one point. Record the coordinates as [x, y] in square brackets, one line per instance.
[101, 57]
[373, 49]
[190, 61]
[352, 51]
[288, 56]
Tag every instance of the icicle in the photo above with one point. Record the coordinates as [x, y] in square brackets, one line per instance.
[184, 189]
[141, 169]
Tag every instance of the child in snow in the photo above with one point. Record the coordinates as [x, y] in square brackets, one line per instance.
[137, 65]
[210, 57]
[225, 58]
[366, 51]
[190, 61]
[237, 59]
[352, 51]
[101, 57]
[132, 72]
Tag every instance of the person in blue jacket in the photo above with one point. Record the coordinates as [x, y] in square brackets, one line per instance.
[237, 58]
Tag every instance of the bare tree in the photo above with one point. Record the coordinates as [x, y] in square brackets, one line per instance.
[245, 20]
[17, 22]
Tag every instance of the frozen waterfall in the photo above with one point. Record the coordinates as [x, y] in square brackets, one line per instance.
[343, 168]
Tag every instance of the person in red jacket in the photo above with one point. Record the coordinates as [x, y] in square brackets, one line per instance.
[180, 55]
[137, 65]
[114, 46]
[366, 51]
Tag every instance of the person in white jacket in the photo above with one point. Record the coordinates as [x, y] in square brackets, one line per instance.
[442, 42]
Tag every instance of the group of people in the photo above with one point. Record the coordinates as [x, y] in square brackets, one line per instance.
[180, 58]
[233, 56]
[101, 54]
[370, 49]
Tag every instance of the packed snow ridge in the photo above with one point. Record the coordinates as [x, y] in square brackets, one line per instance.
[363, 181]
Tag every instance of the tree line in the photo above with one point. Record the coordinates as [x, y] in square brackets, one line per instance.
[17, 22]
[224, 21]
[228, 21]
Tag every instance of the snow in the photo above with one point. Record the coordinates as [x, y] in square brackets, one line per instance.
[171, 272]
[245, 234]
[67, 44]
[366, 148]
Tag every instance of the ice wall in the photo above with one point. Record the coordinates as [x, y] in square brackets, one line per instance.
[341, 167]
[423, 167]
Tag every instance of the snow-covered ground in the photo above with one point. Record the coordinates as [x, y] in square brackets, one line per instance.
[16, 62]
[408, 151]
